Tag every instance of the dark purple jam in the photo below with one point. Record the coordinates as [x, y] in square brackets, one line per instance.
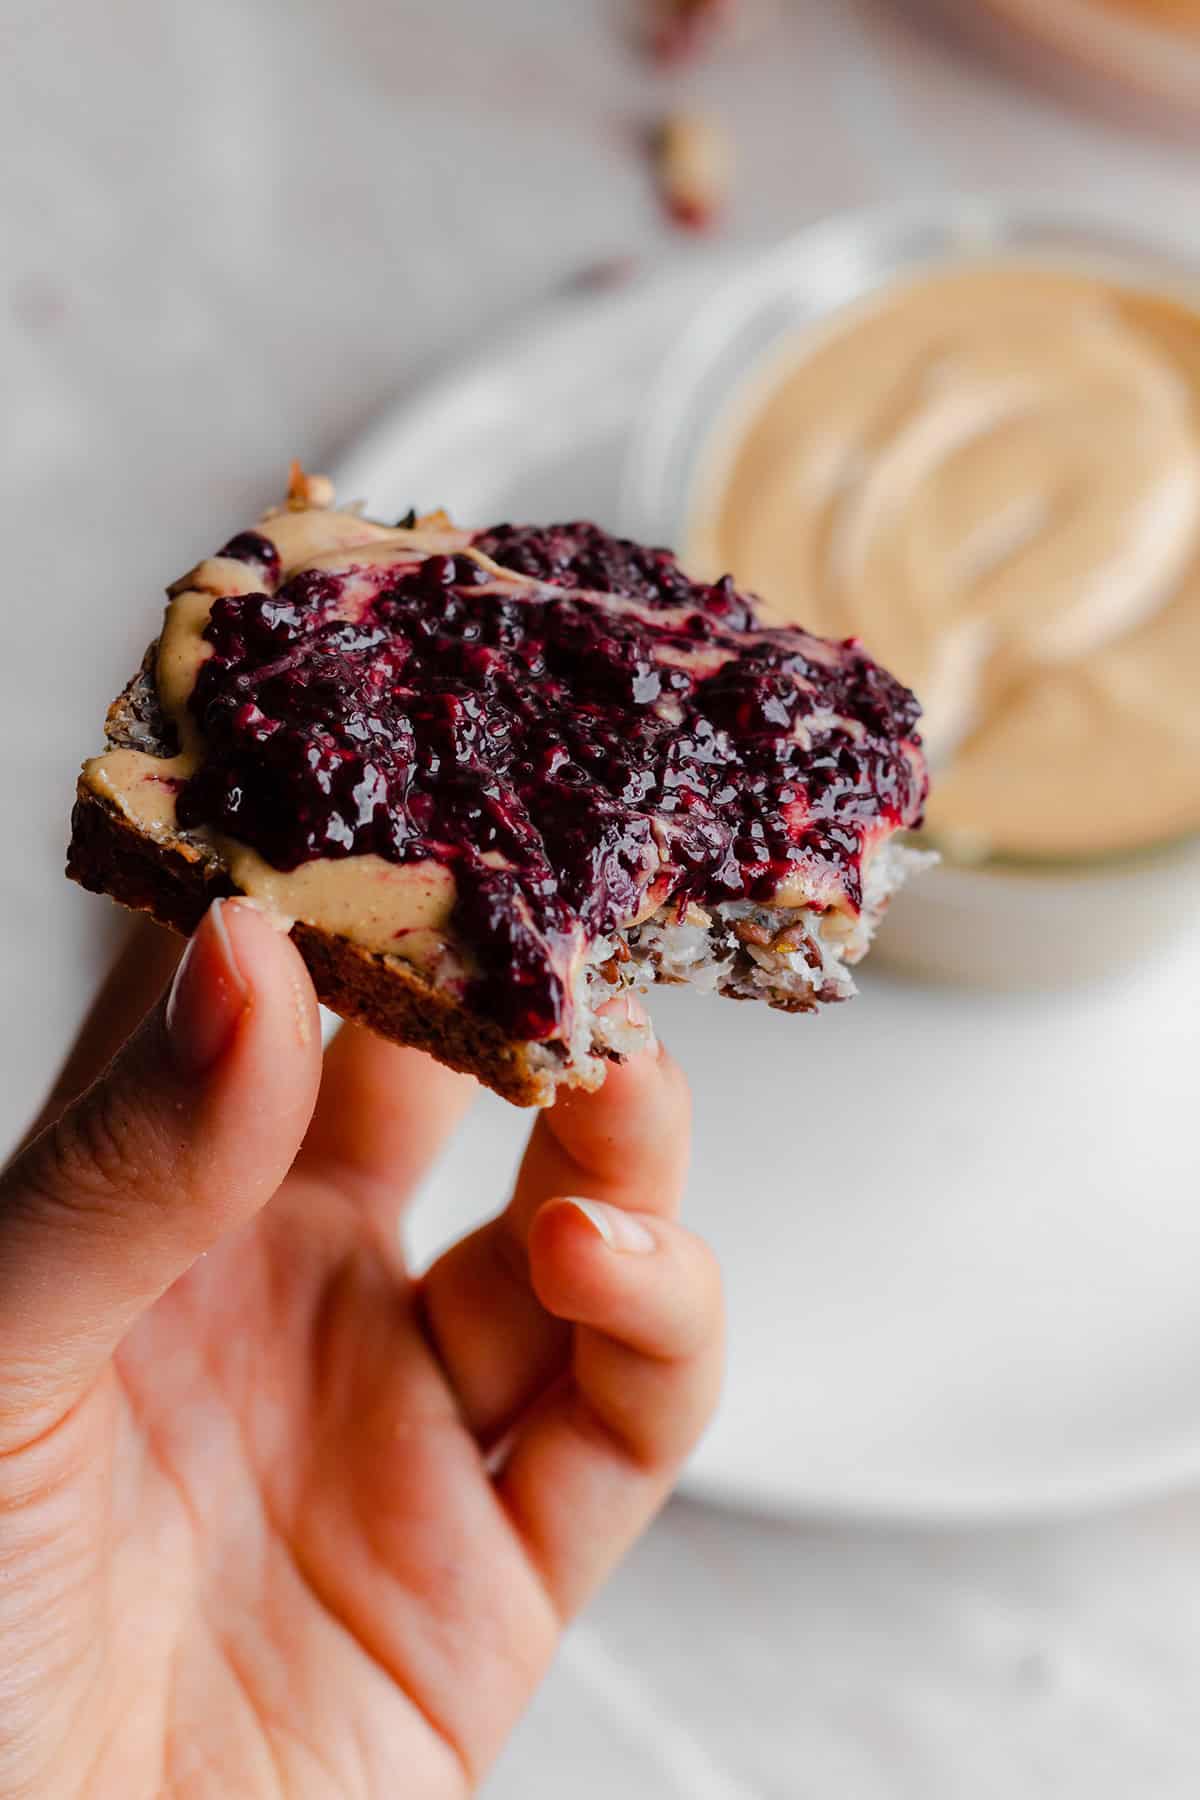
[580, 555]
[551, 734]
[253, 548]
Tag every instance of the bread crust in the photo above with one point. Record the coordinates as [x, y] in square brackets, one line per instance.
[176, 879]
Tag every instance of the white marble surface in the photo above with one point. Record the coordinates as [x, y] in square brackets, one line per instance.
[230, 231]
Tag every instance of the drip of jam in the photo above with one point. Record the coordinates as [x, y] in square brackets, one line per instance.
[561, 750]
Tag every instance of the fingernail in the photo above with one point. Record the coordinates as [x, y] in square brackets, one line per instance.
[635, 1012]
[635, 1015]
[278, 921]
[620, 1230]
[208, 997]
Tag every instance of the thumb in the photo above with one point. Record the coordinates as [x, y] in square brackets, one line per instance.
[187, 1134]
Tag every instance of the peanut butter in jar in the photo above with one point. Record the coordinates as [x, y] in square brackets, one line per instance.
[991, 474]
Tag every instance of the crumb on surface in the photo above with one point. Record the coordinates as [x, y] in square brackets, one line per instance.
[693, 164]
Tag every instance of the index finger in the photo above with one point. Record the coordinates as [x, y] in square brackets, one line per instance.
[628, 1145]
[136, 980]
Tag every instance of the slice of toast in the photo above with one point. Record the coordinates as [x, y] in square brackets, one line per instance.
[176, 876]
[552, 896]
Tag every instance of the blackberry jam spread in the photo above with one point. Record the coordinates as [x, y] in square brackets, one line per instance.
[579, 732]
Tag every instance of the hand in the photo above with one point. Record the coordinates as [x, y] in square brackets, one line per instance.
[275, 1517]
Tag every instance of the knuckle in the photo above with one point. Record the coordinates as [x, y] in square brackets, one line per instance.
[614, 1430]
[655, 1431]
[710, 1287]
[510, 1255]
[94, 1156]
[94, 1144]
[699, 1325]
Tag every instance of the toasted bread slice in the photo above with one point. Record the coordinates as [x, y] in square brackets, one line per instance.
[170, 818]
[176, 877]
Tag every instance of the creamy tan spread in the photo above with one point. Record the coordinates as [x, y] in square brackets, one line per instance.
[397, 909]
[992, 477]
[405, 910]
[394, 909]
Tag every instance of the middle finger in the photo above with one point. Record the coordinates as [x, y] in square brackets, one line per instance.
[383, 1115]
[626, 1144]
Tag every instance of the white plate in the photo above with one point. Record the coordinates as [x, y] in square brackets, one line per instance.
[961, 1233]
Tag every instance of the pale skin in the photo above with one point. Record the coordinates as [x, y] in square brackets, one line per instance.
[276, 1518]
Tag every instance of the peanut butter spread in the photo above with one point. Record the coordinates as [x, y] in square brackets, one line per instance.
[399, 909]
[486, 753]
[992, 477]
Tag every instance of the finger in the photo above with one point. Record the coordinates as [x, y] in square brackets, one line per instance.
[626, 1145]
[134, 982]
[382, 1117]
[595, 1460]
[188, 1133]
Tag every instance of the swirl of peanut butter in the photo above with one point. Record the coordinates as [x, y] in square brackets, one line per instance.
[992, 477]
